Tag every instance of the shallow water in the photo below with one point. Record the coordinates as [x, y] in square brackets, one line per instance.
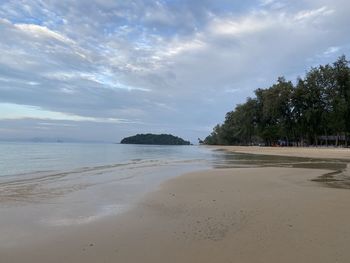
[26, 158]
[49, 185]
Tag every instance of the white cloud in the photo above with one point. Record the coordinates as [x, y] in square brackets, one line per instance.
[236, 27]
[15, 111]
[267, 2]
[331, 50]
[42, 32]
[272, 4]
[179, 47]
[105, 79]
[313, 13]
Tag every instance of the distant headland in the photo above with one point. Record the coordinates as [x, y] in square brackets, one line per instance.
[154, 139]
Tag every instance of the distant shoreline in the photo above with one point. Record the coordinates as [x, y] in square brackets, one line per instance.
[306, 152]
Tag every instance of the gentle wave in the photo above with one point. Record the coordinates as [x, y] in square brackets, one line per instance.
[51, 175]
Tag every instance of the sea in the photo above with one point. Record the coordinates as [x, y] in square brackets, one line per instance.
[45, 185]
[32, 159]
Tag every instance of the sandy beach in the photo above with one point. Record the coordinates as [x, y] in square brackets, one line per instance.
[114, 116]
[308, 152]
[270, 214]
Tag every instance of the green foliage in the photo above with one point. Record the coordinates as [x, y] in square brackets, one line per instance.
[315, 110]
[154, 139]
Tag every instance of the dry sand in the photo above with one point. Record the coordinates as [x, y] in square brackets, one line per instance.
[225, 215]
[309, 152]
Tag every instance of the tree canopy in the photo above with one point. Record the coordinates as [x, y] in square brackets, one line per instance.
[314, 111]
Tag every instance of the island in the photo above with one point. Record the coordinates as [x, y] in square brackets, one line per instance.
[155, 139]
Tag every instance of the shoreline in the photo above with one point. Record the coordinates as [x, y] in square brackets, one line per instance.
[265, 214]
[304, 152]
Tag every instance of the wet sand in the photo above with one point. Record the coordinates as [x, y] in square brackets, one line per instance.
[265, 214]
[307, 152]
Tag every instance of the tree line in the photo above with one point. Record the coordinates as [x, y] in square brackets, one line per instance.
[313, 111]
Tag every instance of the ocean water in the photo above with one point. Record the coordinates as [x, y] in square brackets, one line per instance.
[45, 185]
[18, 159]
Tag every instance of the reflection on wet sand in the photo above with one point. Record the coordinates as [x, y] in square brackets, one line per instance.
[338, 177]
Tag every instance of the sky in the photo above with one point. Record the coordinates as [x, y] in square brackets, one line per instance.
[105, 69]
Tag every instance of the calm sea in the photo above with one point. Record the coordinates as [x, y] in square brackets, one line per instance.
[61, 184]
[50, 186]
[18, 159]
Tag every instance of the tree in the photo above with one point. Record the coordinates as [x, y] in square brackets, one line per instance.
[342, 93]
[318, 106]
[275, 120]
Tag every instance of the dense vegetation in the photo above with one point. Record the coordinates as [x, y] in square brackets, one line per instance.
[156, 139]
[314, 111]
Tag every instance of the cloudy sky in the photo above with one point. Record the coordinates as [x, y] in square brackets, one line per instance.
[104, 69]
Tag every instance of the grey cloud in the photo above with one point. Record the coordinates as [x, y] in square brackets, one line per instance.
[163, 64]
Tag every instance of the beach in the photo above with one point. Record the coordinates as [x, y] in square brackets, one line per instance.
[118, 120]
[259, 214]
[307, 152]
